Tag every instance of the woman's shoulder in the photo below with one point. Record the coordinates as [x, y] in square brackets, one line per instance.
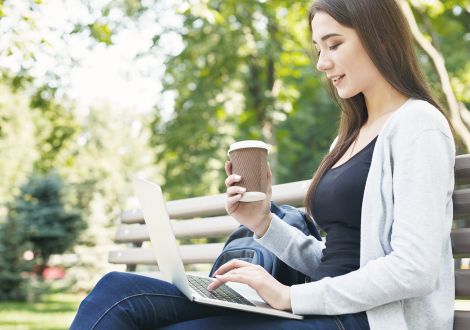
[416, 116]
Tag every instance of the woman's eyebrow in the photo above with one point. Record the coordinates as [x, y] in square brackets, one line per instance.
[327, 36]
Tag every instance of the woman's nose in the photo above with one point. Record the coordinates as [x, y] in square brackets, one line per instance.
[323, 63]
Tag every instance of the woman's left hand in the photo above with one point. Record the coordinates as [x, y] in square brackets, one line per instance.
[276, 294]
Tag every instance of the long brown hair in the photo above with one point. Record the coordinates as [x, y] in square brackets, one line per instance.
[377, 22]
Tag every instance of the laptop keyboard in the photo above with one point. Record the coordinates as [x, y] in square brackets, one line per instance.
[224, 292]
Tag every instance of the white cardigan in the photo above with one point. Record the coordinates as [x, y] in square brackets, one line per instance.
[406, 274]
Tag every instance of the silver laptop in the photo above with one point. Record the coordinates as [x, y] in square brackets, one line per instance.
[231, 295]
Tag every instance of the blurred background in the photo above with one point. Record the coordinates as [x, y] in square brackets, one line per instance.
[94, 91]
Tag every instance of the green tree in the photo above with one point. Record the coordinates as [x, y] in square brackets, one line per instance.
[56, 129]
[17, 143]
[48, 224]
[244, 71]
[112, 146]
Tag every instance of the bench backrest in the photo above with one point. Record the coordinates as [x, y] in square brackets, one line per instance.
[205, 217]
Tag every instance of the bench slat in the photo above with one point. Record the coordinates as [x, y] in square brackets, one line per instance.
[460, 242]
[191, 254]
[288, 193]
[295, 193]
[461, 320]
[218, 226]
[462, 168]
[461, 200]
[462, 283]
[206, 227]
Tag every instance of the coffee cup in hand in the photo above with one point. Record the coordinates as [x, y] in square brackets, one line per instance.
[249, 159]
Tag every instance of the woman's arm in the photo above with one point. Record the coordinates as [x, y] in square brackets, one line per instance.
[292, 246]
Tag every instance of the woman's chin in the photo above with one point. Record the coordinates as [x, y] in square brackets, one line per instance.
[346, 94]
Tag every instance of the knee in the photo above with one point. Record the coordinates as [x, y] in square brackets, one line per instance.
[113, 277]
[98, 300]
[111, 280]
[106, 285]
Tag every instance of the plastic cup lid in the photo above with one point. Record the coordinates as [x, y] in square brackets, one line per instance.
[248, 144]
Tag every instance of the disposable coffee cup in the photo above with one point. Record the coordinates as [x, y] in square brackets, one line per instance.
[249, 159]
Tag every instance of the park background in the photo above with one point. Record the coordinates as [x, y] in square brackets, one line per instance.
[94, 91]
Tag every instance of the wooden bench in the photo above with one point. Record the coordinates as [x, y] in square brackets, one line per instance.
[202, 220]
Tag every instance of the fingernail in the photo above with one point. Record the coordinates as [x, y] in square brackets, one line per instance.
[242, 189]
[238, 177]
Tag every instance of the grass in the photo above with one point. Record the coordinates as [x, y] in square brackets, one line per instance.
[53, 312]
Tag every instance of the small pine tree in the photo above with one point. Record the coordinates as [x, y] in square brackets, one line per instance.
[48, 225]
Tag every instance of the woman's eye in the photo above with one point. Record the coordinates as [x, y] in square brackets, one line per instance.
[334, 47]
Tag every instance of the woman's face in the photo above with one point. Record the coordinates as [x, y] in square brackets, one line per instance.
[342, 58]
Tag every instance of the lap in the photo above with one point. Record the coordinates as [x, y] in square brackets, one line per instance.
[131, 301]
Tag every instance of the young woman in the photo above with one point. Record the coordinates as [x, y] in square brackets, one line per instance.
[383, 195]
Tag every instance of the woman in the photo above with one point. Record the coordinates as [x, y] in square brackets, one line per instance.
[382, 194]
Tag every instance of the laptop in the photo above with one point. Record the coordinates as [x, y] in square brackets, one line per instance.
[231, 295]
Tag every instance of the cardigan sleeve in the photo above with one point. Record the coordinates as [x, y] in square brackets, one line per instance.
[423, 170]
[292, 246]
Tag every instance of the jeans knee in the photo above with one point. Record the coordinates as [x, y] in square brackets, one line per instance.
[108, 283]
[112, 277]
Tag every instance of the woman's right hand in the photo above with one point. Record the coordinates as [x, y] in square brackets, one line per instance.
[256, 216]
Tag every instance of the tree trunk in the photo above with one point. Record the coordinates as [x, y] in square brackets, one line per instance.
[455, 109]
[268, 126]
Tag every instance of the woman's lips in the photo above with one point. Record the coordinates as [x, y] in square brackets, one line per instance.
[338, 80]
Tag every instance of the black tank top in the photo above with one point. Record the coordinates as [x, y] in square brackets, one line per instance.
[336, 208]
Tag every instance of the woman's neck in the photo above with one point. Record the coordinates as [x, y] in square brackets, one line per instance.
[382, 98]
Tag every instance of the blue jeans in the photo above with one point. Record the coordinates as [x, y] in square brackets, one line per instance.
[128, 301]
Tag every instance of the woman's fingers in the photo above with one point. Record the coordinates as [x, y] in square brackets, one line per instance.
[232, 264]
[232, 203]
[214, 285]
[231, 179]
[228, 167]
[239, 277]
[233, 190]
[231, 271]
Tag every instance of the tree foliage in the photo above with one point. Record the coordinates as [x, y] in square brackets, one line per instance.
[245, 72]
[46, 223]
